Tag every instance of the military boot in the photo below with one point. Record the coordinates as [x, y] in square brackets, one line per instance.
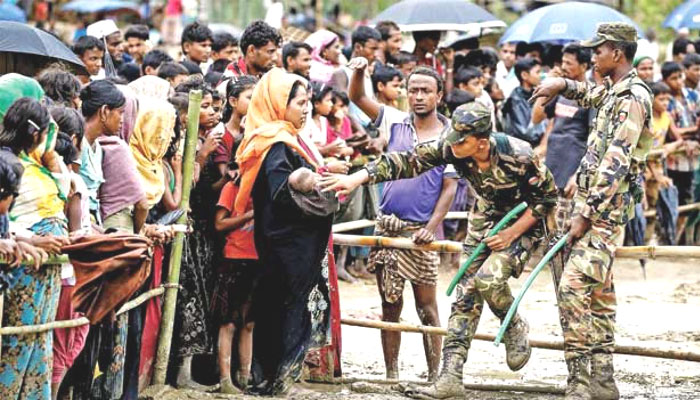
[603, 385]
[517, 345]
[448, 384]
[578, 382]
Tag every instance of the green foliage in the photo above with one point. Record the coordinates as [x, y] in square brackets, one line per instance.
[651, 14]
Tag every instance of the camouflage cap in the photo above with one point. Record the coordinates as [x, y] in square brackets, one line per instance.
[468, 119]
[613, 32]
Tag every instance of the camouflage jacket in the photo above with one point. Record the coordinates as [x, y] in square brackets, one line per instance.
[516, 174]
[610, 175]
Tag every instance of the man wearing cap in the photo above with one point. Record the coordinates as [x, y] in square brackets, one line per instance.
[504, 171]
[609, 182]
[106, 30]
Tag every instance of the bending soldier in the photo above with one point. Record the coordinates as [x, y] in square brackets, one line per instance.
[504, 172]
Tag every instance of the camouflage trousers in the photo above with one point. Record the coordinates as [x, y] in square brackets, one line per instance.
[586, 294]
[485, 280]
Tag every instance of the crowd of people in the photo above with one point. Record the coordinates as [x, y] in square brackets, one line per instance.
[100, 150]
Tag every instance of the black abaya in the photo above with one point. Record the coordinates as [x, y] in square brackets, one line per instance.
[289, 302]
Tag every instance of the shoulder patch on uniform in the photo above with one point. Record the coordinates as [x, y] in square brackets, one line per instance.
[622, 116]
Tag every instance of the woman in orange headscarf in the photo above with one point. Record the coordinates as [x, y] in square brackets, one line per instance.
[291, 302]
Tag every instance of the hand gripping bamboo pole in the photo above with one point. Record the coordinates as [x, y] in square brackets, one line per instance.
[72, 323]
[166, 326]
[367, 223]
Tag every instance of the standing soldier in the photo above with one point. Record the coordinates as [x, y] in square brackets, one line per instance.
[609, 183]
[504, 171]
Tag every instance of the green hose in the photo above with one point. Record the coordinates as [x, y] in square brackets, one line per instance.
[514, 307]
[463, 269]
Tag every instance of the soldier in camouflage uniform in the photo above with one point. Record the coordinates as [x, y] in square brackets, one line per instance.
[504, 171]
[609, 183]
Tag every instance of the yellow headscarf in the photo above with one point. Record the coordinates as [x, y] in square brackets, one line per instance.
[153, 132]
[265, 126]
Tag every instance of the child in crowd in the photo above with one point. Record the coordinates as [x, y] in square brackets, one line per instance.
[387, 83]
[406, 62]
[683, 107]
[196, 43]
[470, 79]
[654, 175]
[322, 102]
[173, 72]
[343, 126]
[90, 50]
[238, 276]
[224, 46]
[136, 37]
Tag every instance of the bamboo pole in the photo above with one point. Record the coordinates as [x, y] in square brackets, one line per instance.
[681, 210]
[469, 386]
[537, 342]
[166, 327]
[318, 14]
[72, 323]
[653, 252]
[367, 223]
[446, 246]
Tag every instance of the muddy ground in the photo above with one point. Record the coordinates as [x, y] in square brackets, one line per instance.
[662, 311]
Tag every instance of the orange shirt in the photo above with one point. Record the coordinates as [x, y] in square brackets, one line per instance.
[240, 243]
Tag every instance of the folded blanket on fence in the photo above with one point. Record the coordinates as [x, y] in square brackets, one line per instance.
[108, 270]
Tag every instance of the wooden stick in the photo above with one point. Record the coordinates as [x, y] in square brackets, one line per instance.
[72, 323]
[681, 210]
[353, 225]
[165, 335]
[446, 246]
[469, 386]
[540, 343]
[367, 223]
[653, 252]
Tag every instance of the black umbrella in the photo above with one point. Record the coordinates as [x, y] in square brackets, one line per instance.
[24, 39]
[439, 15]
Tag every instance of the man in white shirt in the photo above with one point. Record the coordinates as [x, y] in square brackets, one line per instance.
[505, 75]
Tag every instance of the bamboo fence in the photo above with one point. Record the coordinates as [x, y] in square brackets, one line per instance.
[536, 342]
[166, 327]
[446, 246]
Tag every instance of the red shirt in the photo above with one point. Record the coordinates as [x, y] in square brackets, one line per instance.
[236, 69]
[240, 243]
[224, 153]
[431, 61]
